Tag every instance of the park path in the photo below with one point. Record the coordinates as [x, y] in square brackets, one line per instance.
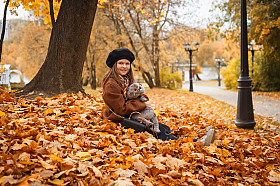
[262, 106]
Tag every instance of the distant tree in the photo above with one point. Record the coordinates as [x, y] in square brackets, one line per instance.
[145, 23]
[263, 27]
[33, 48]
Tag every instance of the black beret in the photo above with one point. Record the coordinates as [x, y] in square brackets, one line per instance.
[118, 54]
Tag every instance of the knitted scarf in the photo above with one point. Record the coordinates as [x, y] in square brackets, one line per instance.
[124, 81]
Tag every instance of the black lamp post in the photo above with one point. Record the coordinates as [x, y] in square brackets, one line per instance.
[219, 68]
[187, 47]
[245, 116]
[252, 49]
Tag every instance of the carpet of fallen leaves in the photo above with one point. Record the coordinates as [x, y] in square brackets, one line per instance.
[64, 141]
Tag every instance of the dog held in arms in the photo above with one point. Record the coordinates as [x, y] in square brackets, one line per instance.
[136, 90]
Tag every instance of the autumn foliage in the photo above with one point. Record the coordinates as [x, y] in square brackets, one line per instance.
[63, 141]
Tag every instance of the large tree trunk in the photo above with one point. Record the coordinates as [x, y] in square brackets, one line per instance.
[3, 28]
[63, 66]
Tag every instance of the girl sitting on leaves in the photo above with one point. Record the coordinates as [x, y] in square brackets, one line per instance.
[116, 81]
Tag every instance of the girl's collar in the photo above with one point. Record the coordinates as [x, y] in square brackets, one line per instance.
[124, 81]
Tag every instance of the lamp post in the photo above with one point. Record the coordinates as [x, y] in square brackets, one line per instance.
[219, 68]
[187, 47]
[245, 116]
[252, 49]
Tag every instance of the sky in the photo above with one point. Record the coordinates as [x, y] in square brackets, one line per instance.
[202, 13]
[22, 13]
[205, 7]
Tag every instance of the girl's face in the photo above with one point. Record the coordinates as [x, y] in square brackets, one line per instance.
[123, 66]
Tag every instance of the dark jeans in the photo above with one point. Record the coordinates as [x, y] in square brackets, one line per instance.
[165, 133]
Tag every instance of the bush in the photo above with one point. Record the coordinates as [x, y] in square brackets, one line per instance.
[17, 86]
[269, 78]
[231, 74]
[170, 80]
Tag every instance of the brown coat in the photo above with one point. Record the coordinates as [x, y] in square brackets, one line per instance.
[113, 96]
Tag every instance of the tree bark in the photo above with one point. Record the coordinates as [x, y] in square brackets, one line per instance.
[93, 76]
[3, 28]
[63, 66]
[156, 55]
[51, 12]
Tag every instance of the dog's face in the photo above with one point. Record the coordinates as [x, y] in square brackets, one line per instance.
[134, 90]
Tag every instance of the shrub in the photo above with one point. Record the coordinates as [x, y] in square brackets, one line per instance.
[231, 74]
[170, 80]
[269, 76]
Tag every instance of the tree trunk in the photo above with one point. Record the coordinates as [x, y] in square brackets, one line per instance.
[3, 28]
[93, 76]
[148, 78]
[197, 76]
[63, 66]
[93, 82]
[156, 55]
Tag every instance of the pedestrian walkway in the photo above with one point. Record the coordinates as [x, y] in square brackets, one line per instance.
[262, 106]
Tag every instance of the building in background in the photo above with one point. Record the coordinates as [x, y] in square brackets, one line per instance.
[7, 29]
[5, 77]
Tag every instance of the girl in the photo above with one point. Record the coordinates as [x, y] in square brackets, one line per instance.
[115, 82]
[119, 77]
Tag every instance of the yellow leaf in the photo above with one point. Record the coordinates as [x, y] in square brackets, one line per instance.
[124, 166]
[26, 162]
[48, 111]
[116, 141]
[224, 152]
[2, 179]
[157, 112]
[119, 159]
[56, 181]
[101, 134]
[2, 113]
[225, 141]
[131, 130]
[102, 1]
[55, 158]
[83, 154]
[129, 158]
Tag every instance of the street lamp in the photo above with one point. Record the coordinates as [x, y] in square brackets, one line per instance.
[245, 116]
[187, 47]
[253, 49]
[219, 68]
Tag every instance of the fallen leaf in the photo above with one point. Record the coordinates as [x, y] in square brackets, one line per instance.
[56, 181]
[83, 154]
[125, 173]
[141, 167]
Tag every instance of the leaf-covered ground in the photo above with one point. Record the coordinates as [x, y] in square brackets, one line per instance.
[63, 141]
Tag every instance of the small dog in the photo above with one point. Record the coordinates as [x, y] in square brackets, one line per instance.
[136, 90]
